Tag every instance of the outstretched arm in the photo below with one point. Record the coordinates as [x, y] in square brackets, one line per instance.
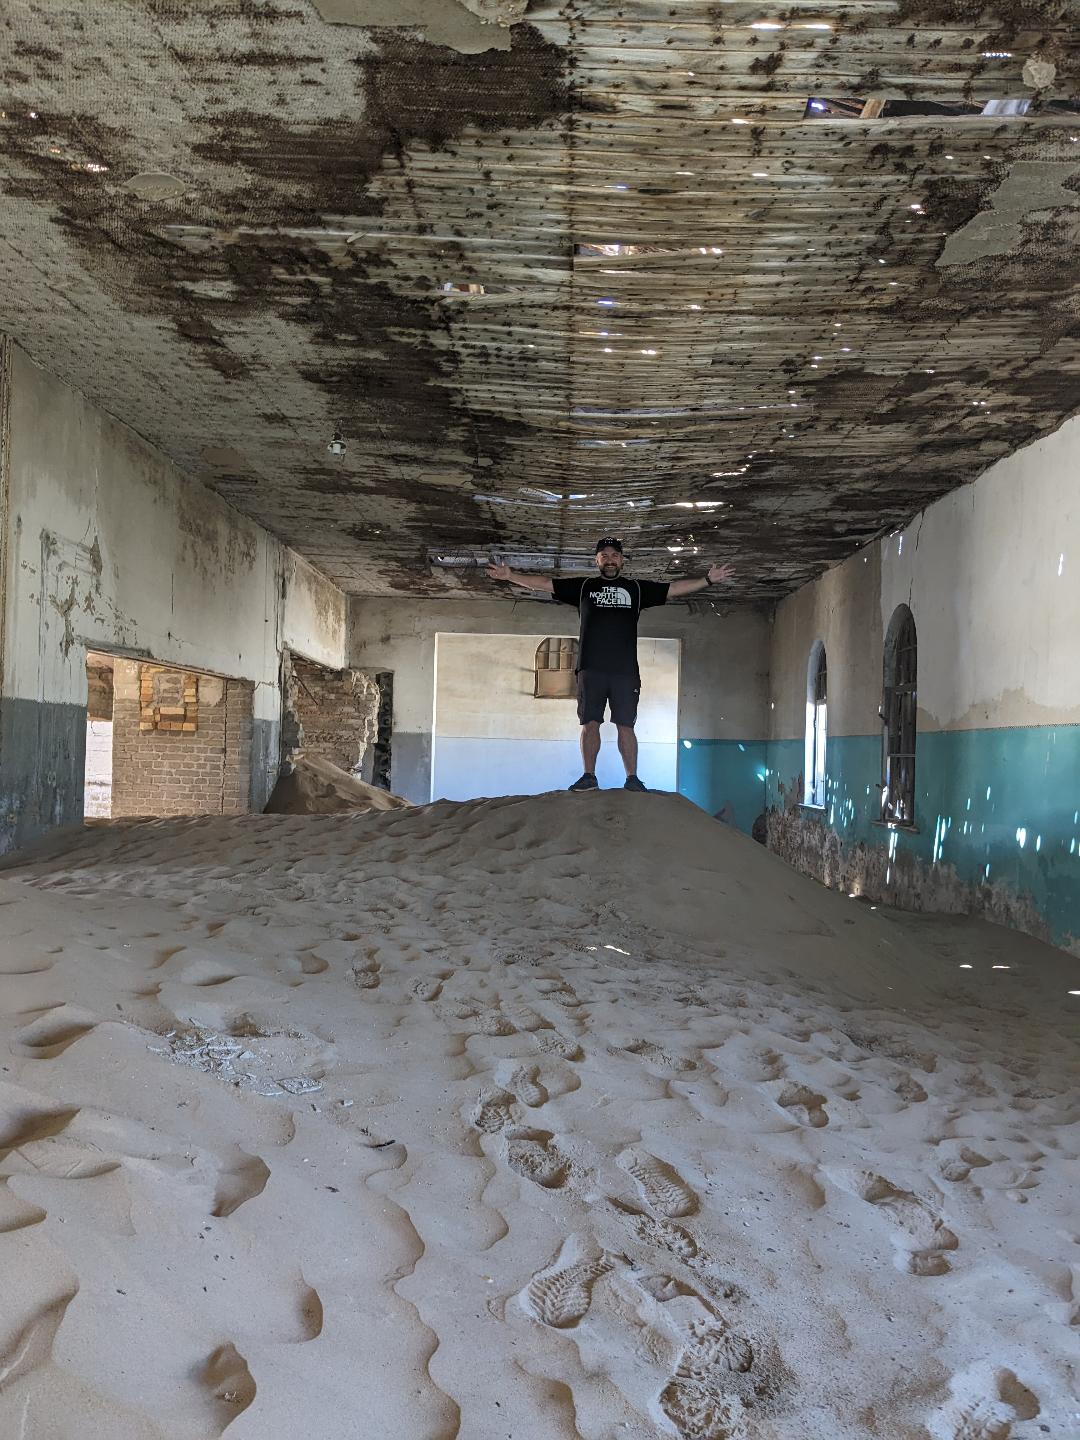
[717, 575]
[517, 577]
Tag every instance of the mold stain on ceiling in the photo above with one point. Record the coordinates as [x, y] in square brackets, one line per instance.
[725, 279]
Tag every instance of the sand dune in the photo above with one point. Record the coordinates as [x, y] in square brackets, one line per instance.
[570, 1116]
[315, 786]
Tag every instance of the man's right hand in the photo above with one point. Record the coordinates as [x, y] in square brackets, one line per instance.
[500, 572]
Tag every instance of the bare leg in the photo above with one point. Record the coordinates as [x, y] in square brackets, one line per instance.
[627, 747]
[590, 746]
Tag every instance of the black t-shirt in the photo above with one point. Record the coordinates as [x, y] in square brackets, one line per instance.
[609, 612]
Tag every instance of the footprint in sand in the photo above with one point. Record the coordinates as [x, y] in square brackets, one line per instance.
[922, 1237]
[526, 1018]
[365, 977]
[560, 991]
[678, 1064]
[242, 1177]
[524, 1084]
[491, 1022]
[431, 988]
[665, 1288]
[32, 1126]
[665, 1232]
[909, 1089]
[961, 1165]
[984, 1405]
[697, 1412]
[713, 1346]
[693, 1400]
[51, 1033]
[511, 957]
[560, 1295]
[32, 1346]
[771, 1064]
[799, 1098]
[205, 973]
[494, 1112]
[228, 1383]
[308, 962]
[648, 1228]
[531, 1154]
[552, 1043]
[161, 957]
[662, 1189]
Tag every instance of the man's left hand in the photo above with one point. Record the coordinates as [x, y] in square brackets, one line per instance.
[720, 574]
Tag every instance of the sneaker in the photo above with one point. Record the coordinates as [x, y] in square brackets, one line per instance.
[633, 783]
[587, 782]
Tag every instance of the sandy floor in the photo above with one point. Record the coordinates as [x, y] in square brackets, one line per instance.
[623, 1130]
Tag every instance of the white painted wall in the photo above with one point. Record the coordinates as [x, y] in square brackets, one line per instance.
[493, 737]
[314, 619]
[992, 576]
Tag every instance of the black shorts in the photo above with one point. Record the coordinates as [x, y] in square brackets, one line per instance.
[597, 689]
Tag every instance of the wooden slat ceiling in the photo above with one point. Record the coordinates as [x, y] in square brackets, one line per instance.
[804, 336]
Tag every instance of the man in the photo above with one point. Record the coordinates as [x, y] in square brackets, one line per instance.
[607, 673]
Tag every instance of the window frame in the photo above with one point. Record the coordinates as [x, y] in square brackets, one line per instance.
[816, 733]
[899, 719]
[555, 646]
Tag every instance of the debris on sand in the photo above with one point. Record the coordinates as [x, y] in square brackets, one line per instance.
[231, 1060]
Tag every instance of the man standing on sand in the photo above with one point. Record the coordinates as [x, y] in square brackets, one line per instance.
[607, 672]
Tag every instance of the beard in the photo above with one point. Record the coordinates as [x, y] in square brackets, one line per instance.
[609, 572]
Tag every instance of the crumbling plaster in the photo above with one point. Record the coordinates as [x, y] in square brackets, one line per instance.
[1031, 191]
[109, 547]
[469, 26]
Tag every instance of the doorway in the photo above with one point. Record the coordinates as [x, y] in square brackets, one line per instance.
[163, 741]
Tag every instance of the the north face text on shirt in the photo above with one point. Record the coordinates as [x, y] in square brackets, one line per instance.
[611, 595]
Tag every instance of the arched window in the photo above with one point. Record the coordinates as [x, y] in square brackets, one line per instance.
[898, 706]
[556, 661]
[816, 727]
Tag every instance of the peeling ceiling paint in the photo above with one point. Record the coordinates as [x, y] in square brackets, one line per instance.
[1031, 189]
[609, 279]
[468, 26]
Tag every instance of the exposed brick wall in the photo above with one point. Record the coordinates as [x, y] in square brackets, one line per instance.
[331, 713]
[205, 772]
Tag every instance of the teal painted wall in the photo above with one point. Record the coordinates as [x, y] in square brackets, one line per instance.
[726, 775]
[997, 804]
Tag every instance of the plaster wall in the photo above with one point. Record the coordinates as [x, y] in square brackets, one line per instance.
[992, 576]
[722, 725]
[109, 546]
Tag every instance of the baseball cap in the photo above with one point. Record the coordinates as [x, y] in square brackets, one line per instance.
[609, 543]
